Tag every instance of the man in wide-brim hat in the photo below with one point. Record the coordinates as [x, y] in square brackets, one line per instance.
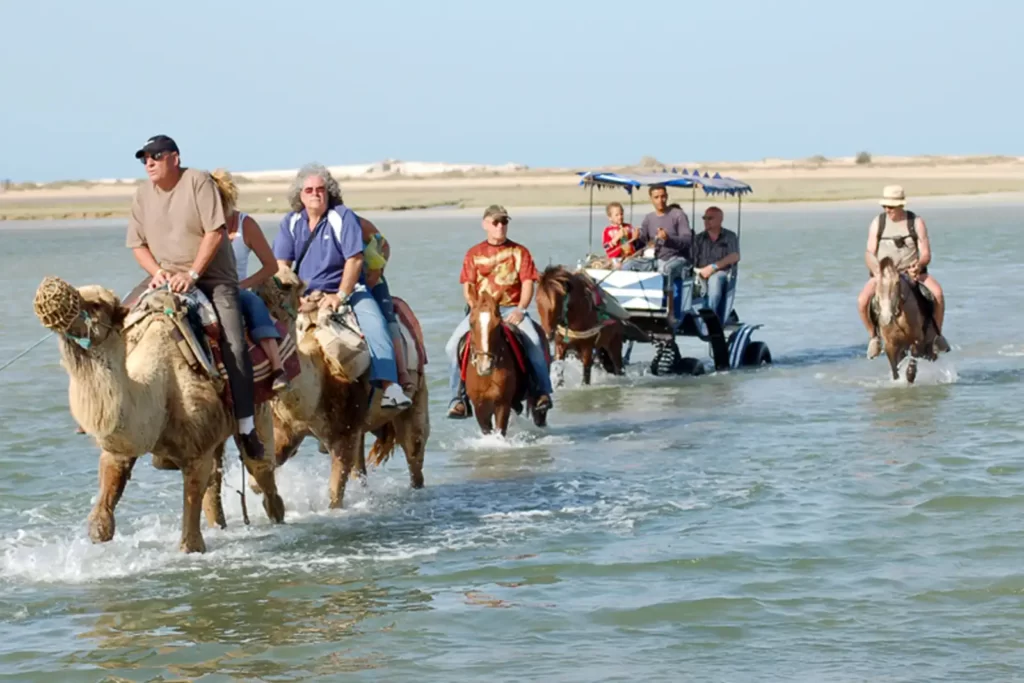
[903, 237]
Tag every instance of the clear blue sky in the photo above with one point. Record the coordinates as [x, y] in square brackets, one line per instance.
[257, 85]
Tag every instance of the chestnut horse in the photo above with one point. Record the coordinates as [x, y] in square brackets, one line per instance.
[496, 375]
[904, 323]
[569, 314]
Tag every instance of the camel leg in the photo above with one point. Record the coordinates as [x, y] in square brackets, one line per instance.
[587, 356]
[413, 430]
[196, 474]
[114, 474]
[343, 458]
[262, 473]
[360, 470]
[212, 506]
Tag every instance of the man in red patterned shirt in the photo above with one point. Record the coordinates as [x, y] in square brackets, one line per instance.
[506, 270]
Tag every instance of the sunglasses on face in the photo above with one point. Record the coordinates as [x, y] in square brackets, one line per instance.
[314, 190]
[155, 156]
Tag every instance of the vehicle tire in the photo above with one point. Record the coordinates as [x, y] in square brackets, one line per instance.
[756, 354]
[666, 359]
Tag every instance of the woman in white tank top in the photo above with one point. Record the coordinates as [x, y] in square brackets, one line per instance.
[246, 238]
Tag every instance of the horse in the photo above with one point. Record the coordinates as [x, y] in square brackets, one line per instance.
[904, 319]
[496, 372]
[567, 305]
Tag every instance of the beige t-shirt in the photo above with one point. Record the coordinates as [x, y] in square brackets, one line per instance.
[903, 256]
[172, 224]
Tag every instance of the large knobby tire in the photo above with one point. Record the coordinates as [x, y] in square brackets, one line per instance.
[756, 354]
[668, 361]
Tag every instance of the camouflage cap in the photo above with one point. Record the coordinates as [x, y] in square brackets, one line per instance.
[496, 211]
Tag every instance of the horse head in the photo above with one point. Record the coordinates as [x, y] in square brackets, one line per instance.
[888, 291]
[484, 324]
[552, 298]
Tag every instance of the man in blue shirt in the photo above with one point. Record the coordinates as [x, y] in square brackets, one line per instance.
[325, 239]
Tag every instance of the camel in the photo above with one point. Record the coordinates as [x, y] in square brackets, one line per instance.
[335, 409]
[135, 393]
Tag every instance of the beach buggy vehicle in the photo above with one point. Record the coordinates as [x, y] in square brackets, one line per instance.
[644, 295]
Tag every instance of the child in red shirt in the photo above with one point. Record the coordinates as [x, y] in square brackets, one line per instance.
[619, 238]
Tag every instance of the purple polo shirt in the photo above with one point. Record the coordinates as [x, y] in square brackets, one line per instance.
[340, 238]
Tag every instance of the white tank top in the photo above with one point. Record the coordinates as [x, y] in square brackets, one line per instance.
[240, 248]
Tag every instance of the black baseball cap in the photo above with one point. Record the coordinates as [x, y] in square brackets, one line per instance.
[157, 143]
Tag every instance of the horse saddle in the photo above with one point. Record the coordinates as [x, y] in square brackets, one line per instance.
[518, 342]
[923, 296]
[197, 333]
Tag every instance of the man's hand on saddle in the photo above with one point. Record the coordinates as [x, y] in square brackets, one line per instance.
[514, 317]
[914, 271]
[705, 272]
[159, 280]
[331, 302]
[180, 283]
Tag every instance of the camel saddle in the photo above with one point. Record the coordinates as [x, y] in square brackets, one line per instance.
[197, 332]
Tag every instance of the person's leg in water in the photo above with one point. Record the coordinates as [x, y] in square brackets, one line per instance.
[383, 372]
[535, 354]
[382, 294]
[262, 330]
[938, 310]
[863, 304]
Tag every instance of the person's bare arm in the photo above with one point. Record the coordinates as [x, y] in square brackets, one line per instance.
[469, 293]
[527, 295]
[256, 241]
[924, 245]
[870, 258]
[350, 276]
[144, 257]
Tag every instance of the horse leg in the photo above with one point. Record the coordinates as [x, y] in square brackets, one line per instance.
[212, 505]
[895, 354]
[560, 356]
[196, 473]
[613, 349]
[911, 370]
[587, 357]
[114, 474]
[484, 411]
[502, 413]
[343, 458]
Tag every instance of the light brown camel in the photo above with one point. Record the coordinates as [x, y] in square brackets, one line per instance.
[333, 408]
[135, 393]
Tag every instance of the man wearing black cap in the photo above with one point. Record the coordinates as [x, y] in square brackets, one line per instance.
[177, 233]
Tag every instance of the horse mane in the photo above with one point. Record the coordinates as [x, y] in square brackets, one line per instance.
[554, 281]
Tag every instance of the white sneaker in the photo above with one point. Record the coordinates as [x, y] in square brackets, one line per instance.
[394, 397]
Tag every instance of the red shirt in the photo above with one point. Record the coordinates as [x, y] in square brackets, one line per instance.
[616, 248]
[499, 269]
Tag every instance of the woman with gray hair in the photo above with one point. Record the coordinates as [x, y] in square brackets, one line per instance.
[323, 238]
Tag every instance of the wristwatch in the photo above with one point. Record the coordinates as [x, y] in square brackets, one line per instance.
[714, 267]
[194, 275]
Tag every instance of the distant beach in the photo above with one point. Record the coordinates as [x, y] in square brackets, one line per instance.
[410, 186]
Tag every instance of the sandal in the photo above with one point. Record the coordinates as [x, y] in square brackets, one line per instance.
[281, 382]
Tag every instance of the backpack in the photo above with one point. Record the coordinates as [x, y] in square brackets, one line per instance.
[910, 226]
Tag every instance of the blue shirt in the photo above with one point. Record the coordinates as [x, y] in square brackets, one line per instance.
[340, 238]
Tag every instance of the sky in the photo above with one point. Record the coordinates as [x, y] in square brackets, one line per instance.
[259, 84]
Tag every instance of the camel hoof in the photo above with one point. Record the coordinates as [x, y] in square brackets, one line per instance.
[101, 528]
[254, 486]
[274, 507]
[193, 545]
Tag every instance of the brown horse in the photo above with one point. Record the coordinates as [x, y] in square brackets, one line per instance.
[569, 313]
[496, 375]
[904, 322]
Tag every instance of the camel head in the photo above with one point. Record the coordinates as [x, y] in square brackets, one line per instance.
[86, 316]
[282, 294]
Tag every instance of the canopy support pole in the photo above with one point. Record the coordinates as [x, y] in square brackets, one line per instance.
[590, 245]
[693, 209]
[630, 190]
[739, 215]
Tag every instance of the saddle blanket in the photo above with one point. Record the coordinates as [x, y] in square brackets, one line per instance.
[198, 334]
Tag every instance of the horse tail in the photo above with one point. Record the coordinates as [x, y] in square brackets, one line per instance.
[384, 446]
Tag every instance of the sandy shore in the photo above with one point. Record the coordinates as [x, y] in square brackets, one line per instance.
[773, 181]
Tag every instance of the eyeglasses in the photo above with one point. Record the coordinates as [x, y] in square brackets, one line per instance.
[155, 156]
[707, 218]
[314, 190]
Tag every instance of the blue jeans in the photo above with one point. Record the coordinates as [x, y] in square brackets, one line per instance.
[375, 328]
[257, 317]
[718, 286]
[534, 352]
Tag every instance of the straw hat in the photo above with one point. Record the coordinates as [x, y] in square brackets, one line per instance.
[893, 195]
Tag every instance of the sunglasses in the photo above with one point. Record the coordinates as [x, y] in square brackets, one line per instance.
[314, 190]
[155, 156]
